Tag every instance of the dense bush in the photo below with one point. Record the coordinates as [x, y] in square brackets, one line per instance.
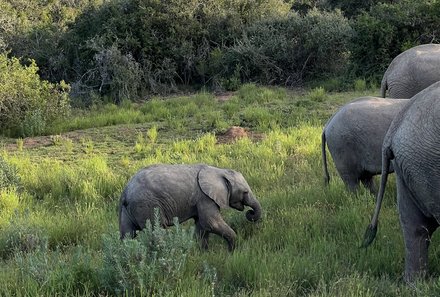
[27, 103]
[128, 48]
[34, 29]
[287, 50]
[388, 29]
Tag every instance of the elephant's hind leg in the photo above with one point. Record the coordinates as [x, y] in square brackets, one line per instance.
[417, 231]
[351, 181]
[126, 225]
[202, 235]
[368, 182]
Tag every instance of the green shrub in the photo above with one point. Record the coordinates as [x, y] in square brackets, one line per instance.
[9, 204]
[317, 94]
[259, 118]
[46, 272]
[386, 30]
[360, 85]
[28, 103]
[33, 123]
[120, 75]
[20, 235]
[9, 176]
[149, 265]
[286, 50]
[158, 45]
[252, 94]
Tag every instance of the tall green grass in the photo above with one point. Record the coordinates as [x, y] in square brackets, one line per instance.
[58, 224]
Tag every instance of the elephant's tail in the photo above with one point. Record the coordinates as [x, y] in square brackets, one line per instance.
[127, 224]
[383, 87]
[324, 158]
[370, 233]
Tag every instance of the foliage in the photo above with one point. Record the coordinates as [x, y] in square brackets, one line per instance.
[154, 45]
[28, 103]
[360, 85]
[386, 30]
[35, 29]
[18, 236]
[110, 51]
[151, 264]
[51, 273]
[288, 50]
[317, 94]
[9, 177]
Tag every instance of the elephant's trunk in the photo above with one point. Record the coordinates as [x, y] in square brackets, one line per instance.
[253, 214]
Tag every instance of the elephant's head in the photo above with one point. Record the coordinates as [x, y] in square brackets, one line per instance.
[229, 188]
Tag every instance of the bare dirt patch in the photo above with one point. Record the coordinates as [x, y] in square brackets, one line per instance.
[235, 132]
[224, 96]
[41, 141]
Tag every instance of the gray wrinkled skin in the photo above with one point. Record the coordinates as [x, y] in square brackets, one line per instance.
[186, 191]
[412, 71]
[354, 138]
[413, 144]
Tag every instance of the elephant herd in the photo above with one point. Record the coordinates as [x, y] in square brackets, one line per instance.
[366, 137]
[373, 135]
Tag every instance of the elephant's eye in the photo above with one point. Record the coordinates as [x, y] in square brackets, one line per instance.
[245, 194]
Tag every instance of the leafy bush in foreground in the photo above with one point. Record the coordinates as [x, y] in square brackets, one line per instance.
[150, 264]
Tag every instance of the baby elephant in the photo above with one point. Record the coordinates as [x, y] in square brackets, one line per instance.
[186, 191]
[354, 137]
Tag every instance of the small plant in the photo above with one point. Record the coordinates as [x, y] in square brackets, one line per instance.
[65, 142]
[210, 275]
[360, 85]
[152, 134]
[232, 83]
[152, 263]
[56, 139]
[8, 175]
[9, 203]
[141, 145]
[125, 162]
[317, 94]
[20, 144]
[87, 145]
[33, 123]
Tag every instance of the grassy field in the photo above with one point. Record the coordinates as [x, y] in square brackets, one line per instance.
[59, 197]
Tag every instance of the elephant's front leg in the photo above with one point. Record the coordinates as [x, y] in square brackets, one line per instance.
[210, 220]
[219, 227]
[417, 231]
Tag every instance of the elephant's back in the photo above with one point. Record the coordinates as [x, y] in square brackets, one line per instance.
[365, 115]
[355, 133]
[413, 70]
[163, 186]
[419, 53]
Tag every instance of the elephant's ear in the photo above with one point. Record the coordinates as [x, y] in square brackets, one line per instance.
[215, 185]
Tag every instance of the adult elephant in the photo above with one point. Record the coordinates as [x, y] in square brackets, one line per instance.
[412, 71]
[412, 143]
[354, 136]
[186, 191]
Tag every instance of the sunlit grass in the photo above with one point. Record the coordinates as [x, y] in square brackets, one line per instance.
[55, 230]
